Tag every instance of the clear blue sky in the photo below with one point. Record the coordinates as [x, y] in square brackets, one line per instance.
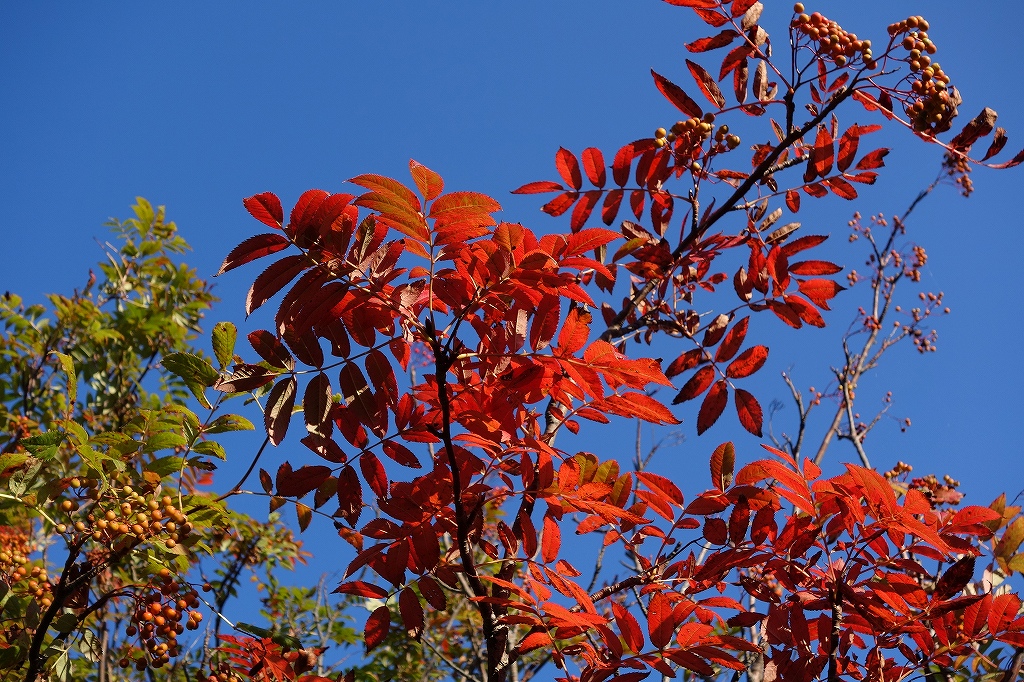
[197, 105]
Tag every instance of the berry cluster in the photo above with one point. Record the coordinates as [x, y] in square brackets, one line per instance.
[933, 106]
[126, 518]
[687, 138]
[958, 168]
[15, 571]
[833, 41]
[156, 621]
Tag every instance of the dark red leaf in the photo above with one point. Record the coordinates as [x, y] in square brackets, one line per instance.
[412, 612]
[253, 248]
[978, 127]
[998, 142]
[266, 208]
[872, 159]
[302, 481]
[748, 362]
[732, 341]
[268, 347]
[659, 620]
[749, 411]
[401, 454]
[723, 464]
[706, 84]
[713, 42]
[377, 627]
[317, 401]
[245, 378]
[848, 147]
[841, 188]
[273, 279]
[674, 94]
[712, 407]
[350, 495]
[735, 57]
[698, 383]
[822, 154]
[278, 412]
[955, 579]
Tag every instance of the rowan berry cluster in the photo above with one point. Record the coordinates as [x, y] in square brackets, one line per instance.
[156, 621]
[832, 40]
[124, 515]
[15, 571]
[687, 138]
[933, 106]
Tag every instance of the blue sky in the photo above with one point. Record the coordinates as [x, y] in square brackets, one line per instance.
[197, 105]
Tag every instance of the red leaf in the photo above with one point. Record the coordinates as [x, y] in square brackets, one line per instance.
[713, 42]
[253, 248]
[706, 84]
[802, 244]
[698, 383]
[748, 362]
[377, 627]
[749, 411]
[661, 485]
[841, 188]
[674, 94]
[685, 361]
[816, 190]
[814, 267]
[848, 147]
[350, 495]
[373, 472]
[362, 589]
[574, 332]
[610, 208]
[401, 454]
[568, 167]
[628, 626]
[823, 153]
[278, 413]
[998, 142]
[539, 187]
[317, 401]
[1015, 161]
[706, 4]
[723, 463]
[955, 579]
[712, 407]
[872, 159]
[273, 279]
[793, 200]
[551, 541]
[583, 241]
[820, 291]
[640, 406]
[740, 7]
[593, 165]
[412, 612]
[659, 620]
[271, 349]
[265, 208]
[735, 57]
[732, 341]
[302, 481]
[560, 204]
[583, 209]
[429, 183]
[805, 311]
[978, 127]
[784, 313]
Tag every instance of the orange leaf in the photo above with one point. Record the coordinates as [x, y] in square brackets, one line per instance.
[427, 181]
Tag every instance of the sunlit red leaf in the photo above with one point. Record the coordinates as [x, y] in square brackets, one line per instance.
[427, 181]
[872, 159]
[273, 279]
[569, 168]
[713, 42]
[735, 57]
[841, 188]
[713, 406]
[560, 204]
[804, 310]
[820, 291]
[628, 626]
[659, 620]
[807, 268]
[732, 341]
[539, 187]
[400, 454]
[823, 153]
[551, 541]
[593, 166]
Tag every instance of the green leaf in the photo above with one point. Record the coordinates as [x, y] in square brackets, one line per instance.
[44, 440]
[196, 372]
[72, 379]
[224, 335]
[229, 422]
[11, 459]
[163, 441]
[253, 630]
[65, 623]
[165, 466]
[210, 447]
